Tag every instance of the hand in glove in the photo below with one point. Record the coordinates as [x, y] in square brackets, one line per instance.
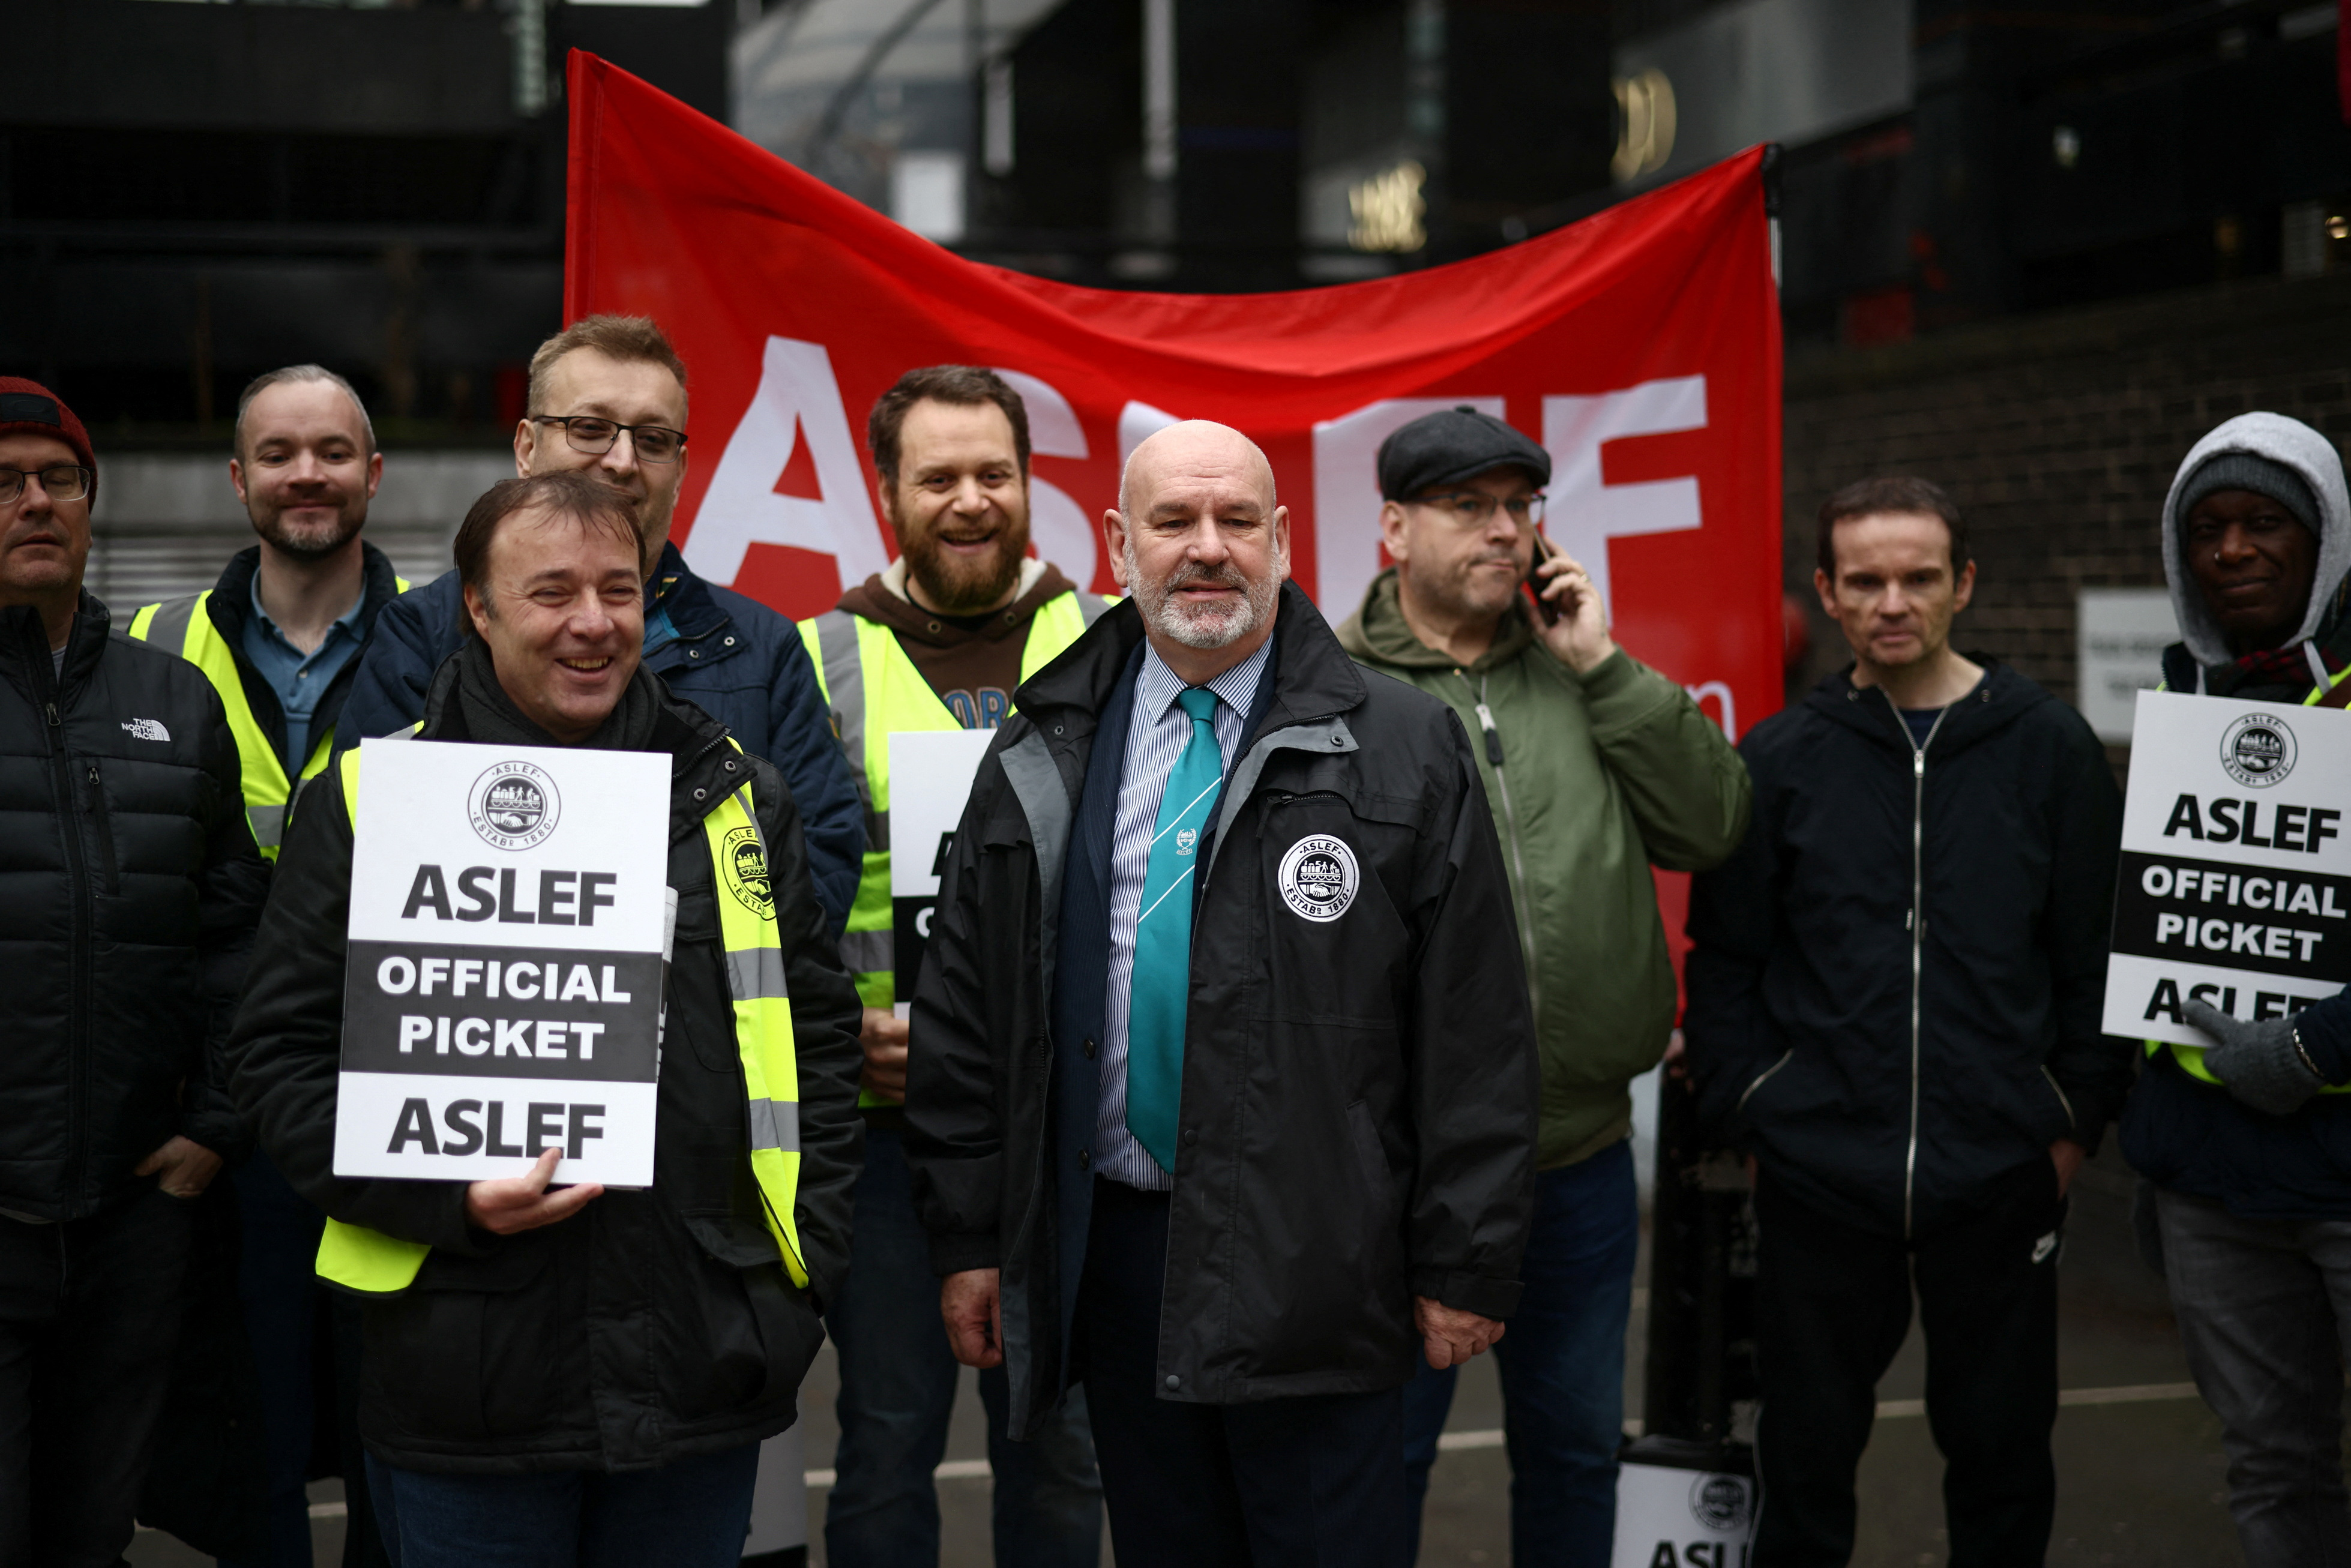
[2261, 1063]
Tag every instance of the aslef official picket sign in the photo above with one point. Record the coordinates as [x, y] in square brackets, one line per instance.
[2235, 881]
[509, 920]
[1682, 1504]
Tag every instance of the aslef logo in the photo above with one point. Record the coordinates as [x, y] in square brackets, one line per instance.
[514, 805]
[745, 859]
[1719, 1502]
[2257, 751]
[1317, 878]
[148, 730]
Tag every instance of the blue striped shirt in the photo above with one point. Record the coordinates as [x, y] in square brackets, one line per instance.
[1155, 737]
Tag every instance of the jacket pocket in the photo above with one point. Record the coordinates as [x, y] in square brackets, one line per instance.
[101, 821]
[470, 1352]
[737, 1335]
[2063, 1105]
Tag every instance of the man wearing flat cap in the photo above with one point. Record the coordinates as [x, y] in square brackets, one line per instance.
[1597, 767]
[2248, 1143]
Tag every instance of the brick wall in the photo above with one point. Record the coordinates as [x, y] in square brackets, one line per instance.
[2059, 435]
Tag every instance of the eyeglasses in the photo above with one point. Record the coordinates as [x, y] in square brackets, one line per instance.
[655, 442]
[61, 482]
[1475, 509]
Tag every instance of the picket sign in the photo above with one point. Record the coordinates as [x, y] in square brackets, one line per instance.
[2235, 881]
[510, 919]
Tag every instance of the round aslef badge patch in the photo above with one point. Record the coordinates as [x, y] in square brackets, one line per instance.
[514, 805]
[1318, 877]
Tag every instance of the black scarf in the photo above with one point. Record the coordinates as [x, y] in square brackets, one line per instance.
[492, 717]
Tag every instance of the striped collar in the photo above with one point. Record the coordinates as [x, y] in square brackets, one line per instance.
[1157, 686]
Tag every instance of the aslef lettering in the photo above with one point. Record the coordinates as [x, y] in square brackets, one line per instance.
[2164, 1001]
[485, 893]
[2229, 821]
[471, 1126]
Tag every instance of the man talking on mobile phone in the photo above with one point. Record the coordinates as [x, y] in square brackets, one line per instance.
[1597, 767]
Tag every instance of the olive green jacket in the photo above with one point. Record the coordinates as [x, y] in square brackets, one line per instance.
[1603, 776]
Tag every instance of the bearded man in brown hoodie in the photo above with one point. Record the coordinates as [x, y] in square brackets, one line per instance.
[940, 641]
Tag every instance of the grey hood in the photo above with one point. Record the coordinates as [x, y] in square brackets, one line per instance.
[2308, 454]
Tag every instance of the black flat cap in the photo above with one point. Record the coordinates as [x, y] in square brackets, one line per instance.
[1448, 447]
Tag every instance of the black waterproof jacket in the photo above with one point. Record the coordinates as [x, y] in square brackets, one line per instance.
[129, 890]
[1359, 1093]
[1895, 984]
[653, 1325]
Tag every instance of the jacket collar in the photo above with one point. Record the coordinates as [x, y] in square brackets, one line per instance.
[693, 608]
[231, 603]
[1314, 676]
[1997, 700]
[24, 646]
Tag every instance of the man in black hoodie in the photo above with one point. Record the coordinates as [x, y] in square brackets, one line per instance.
[1894, 1008]
[129, 889]
[2248, 1144]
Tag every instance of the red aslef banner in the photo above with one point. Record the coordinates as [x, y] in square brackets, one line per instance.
[1641, 347]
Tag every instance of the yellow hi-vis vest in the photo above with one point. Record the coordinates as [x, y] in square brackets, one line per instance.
[370, 1262]
[873, 690]
[184, 626]
[2191, 1057]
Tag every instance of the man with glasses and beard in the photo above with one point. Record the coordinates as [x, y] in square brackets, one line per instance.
[938, 642]
[1223, 1099]
[279, 637]
[607, 398]
[1597, 767]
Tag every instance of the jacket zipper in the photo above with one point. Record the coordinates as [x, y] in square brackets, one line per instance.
[104, 823]
[2057, 1089]
[1917, 931]
[1745, 1093]
[1519, 894]
[77, 957]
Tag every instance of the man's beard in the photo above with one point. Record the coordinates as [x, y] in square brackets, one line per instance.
[1470, 593]
[1202, 626]
[310, 541]
[960, 586]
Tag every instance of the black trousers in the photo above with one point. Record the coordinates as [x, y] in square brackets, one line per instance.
[90, 1313]
[1832, 1307]
[1316, 1479]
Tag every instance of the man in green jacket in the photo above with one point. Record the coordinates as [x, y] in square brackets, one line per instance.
[1597, 767]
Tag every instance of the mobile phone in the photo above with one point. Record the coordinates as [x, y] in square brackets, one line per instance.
[1544, 607]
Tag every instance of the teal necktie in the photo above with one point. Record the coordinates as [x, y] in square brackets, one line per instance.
[1163, 937]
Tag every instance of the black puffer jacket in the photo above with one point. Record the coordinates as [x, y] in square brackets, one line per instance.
[1359, 1091]
[1895, 983]
[653, 1325]
[129, 890]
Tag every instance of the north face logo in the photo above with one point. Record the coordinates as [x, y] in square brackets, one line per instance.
[148, 730]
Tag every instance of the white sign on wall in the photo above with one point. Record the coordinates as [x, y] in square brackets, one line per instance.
[2235, 882]
[2120, 635]
[510, 910]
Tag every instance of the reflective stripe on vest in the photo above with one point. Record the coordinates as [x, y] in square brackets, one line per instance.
[873, 690]
[185, 627]
[370, 1262]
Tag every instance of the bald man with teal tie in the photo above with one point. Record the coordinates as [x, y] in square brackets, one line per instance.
[1222, 1084]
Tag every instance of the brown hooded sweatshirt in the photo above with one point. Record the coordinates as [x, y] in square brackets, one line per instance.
[972, 661]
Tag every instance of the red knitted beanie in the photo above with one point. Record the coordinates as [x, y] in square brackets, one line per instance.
[30, 407]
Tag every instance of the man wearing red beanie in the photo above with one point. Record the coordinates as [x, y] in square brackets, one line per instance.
[129, 887]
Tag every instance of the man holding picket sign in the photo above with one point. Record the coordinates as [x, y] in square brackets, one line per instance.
[577, 1373]
[2248, 1143]
[937, 643]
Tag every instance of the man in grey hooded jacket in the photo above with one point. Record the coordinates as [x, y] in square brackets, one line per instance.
[2248, 1143]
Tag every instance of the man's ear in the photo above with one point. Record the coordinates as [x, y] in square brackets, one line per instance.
[1115, 546]
[1392, 532]
[1963, 588]
[526, 444]
[1282, 544]
[236, 480]
[477, 610]
[1823, 585]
